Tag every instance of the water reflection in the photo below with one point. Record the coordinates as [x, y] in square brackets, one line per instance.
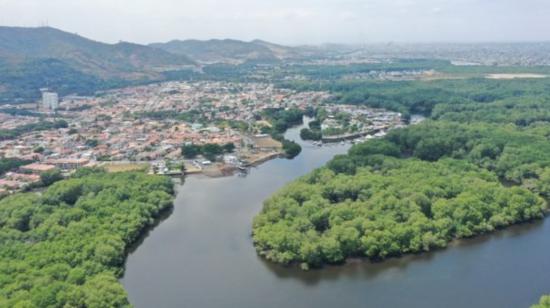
[165, 214]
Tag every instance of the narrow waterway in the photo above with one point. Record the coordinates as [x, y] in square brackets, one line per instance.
[202, 255]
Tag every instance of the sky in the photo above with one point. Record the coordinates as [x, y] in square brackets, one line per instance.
[292, 22]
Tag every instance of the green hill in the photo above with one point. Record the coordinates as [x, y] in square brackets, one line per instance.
[121, 59]
[31, 58]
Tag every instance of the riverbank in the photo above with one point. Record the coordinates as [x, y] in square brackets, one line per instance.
[265, 148]
[202, 256]
[194, 167]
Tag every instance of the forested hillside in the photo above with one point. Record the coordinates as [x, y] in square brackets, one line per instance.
[92, 57]
[481, 163]
[66, 247]
[34, 58]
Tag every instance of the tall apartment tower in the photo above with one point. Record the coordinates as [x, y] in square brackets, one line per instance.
[50, 100]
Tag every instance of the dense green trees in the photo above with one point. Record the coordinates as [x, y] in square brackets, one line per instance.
[66, 246]
[516, 155]
[210, 151]
[414, 190]
[481, 163]
[49, 177]
[8, 164]
[386, 207]
[291, 148]
[463, 96]
[281, 120]
[229, 147]
[190, 150]
[309, 134]
[314, 131]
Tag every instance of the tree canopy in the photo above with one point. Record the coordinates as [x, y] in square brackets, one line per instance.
[544, 303]
[386, 207]
[66, 247]
[481, 162]
[8, 164]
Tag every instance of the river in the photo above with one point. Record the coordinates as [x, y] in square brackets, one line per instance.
[201, 255]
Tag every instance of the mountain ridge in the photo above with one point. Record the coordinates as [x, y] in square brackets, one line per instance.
[228, 50]
[34, 58]
[122, 59]
[37, 57]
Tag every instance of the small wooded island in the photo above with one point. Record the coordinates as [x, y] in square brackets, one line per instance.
[377, 202]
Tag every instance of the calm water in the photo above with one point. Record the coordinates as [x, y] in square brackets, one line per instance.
[202, 256]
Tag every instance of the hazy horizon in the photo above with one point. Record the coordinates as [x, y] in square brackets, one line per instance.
[297, 22]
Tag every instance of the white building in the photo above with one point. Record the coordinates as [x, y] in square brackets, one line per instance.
[50, 100]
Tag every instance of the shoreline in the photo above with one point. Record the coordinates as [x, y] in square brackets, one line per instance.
[510, 230]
